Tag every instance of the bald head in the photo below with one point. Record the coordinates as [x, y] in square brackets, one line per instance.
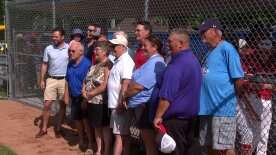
[77, 45]
[179, 40]
[76, 51]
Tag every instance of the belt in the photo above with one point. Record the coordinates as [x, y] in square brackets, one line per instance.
[57, 77]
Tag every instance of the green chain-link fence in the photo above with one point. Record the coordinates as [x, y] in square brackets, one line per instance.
[249, 25]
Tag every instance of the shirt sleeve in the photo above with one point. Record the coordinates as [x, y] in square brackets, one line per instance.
[149, 73]
[127, 69]
[234, 63]
[170, 84]
[67, 73]
[45, 56]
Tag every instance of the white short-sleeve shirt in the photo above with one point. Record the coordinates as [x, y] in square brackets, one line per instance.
[122, 69]
[57, 59]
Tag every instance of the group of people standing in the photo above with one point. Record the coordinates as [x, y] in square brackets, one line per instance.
[109, 91]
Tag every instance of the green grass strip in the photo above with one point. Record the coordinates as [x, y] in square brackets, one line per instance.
[6, 151]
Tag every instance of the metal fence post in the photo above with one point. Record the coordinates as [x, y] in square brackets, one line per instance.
[9, 51]
[54, 13]
[146, 11]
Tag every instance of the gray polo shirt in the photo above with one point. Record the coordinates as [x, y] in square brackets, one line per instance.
[57, 59]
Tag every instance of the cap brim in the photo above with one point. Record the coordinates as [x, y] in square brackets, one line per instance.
[114, 42]
[202, 29]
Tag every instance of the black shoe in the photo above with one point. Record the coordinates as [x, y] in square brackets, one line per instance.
[59, 133]
[40, 134]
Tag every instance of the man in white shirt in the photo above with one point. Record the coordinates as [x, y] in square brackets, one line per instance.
[118, 81]
[54, 64]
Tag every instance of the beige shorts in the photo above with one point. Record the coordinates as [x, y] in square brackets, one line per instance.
[54, 89]
[120, 122]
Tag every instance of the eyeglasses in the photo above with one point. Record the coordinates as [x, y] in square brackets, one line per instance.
[73, 51]
[89, 30]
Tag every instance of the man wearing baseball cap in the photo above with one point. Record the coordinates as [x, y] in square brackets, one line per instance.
[221, 74]
[118, 81]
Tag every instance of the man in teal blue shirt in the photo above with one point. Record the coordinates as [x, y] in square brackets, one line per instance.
[221, 70]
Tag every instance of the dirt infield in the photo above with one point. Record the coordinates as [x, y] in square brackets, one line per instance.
[17, 131]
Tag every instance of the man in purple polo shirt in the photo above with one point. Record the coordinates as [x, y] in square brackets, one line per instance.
[180, 90]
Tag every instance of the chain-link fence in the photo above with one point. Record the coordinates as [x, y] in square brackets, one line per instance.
[3, 70]
[249, 25]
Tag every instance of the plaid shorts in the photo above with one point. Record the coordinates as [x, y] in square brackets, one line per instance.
[218, 132]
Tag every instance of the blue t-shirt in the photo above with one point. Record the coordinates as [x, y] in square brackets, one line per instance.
[146, 76]
[75, 75]
[181, 85]
[220, 70]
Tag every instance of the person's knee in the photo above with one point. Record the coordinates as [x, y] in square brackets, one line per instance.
[230, 152]
[62, 105]
[47, 105]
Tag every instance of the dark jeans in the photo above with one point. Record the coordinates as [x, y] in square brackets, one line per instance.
[179, 130]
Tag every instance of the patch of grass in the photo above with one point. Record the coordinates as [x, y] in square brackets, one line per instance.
[6, 151]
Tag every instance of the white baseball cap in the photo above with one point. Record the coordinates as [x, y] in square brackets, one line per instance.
[119, 40]
[165, 142]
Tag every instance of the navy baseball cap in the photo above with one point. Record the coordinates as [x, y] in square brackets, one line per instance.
[209, 23]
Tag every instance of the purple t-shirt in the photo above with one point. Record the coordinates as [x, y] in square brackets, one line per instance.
[181, 85]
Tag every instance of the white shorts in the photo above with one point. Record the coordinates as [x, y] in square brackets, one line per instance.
[120, 122]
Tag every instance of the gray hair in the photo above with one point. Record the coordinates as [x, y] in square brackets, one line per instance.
[219, 32]
[183, 34]
[78, 44]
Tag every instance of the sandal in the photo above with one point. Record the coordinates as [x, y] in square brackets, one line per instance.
[88, 152]
[40, 134]
[97, 153]
[74, 147]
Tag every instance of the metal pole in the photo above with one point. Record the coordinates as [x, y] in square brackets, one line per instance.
[9, 52]
[54, 13]
[146, 11]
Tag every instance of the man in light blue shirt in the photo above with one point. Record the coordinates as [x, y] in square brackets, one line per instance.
[221, 70]
[55, 61]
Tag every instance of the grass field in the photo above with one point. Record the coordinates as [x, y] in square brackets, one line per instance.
[6, 151]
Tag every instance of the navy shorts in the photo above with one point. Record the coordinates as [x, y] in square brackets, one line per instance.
[140, 115]
[76, 111]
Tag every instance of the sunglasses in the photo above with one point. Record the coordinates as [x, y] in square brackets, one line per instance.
[89, 30]
[115, 45]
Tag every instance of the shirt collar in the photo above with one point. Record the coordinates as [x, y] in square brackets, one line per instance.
[155, 55]
[61, 48]
[76, 65]
[180, 53]
[121, 57]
